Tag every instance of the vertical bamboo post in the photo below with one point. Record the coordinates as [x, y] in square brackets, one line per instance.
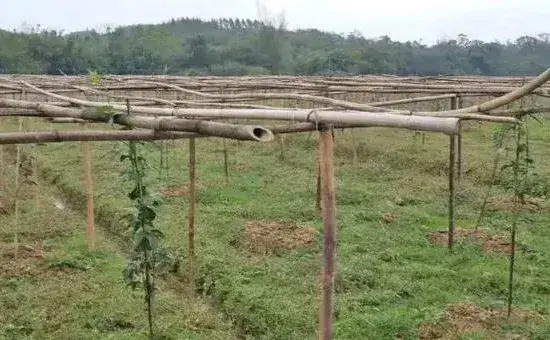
[34, 165]
[513, 233]
[225, 161]
[329, 234]
[2, 170]
[87, 160]
[353, 146]
[281, 140]
[452, 179]
[318, 198]
[456, 104]
[191, 217]
[37, 205]
[16, 208]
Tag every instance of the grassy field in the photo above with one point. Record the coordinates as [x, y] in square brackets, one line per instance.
[390, 282]
[57, 289]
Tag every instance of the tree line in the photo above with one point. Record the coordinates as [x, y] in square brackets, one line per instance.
[227, 46]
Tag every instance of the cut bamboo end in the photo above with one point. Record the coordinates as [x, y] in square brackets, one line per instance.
[262, 134]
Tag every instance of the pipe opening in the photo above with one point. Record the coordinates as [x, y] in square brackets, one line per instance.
[262, 134]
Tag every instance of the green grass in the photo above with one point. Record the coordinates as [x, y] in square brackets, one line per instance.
[390, 278]
[64, 291]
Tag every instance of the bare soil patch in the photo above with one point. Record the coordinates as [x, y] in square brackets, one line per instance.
[463, 318]
[264, 237]
[23, 262]
[6, 206]
[176, 191]
[490, 243]
[238, 166]
[507, 203]
[388, 218]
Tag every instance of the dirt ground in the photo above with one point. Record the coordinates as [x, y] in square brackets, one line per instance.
[464, 318]
[176, 191]
[240, 166]
[25, 262]
[507, 203]
[490, 243]
[6, 206]
[263, 237]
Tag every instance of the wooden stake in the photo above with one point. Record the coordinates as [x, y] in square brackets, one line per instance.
[329, 235]
[191, 217]
[87, 158]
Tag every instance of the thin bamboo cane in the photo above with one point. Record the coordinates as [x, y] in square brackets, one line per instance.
[17, 193]
[452, 179]
[192, 202]
[90, 225]
[457, 142]
[225, 161]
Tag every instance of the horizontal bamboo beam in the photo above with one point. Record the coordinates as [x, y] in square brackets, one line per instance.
[214, 129]
[446, 125]
[89, 135]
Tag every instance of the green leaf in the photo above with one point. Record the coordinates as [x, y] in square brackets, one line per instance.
[147, 213]
[105, 110]
[95, 78]
[134, 194]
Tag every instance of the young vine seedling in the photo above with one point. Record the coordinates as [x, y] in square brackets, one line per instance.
[147, 250]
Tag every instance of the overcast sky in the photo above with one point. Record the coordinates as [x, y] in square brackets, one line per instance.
[402, 20]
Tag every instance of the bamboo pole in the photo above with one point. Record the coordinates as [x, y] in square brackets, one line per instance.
[483, 107]
[452, 179]
[313, 83]
[455, 104]
[265, 96]
[225, 161]
[516, 215]
[56, 115]
[192, 202]
[36, 176]
[318, 194]
[423, 121]
[17, 190]
[90, 135]
[87, 162]
[214, 129]
[2, 169]
[329, 234]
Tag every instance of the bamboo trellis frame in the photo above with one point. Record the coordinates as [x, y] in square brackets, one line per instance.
[55, 99]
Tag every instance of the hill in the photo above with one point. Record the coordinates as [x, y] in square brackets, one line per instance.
[230, 46]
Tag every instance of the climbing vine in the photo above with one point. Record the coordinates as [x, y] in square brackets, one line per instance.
[518, 175]
[147, 253]
[530, 182]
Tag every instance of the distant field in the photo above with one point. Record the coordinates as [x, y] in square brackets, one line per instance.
[260, 272]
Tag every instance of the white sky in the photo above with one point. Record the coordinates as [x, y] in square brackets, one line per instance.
[402, 20]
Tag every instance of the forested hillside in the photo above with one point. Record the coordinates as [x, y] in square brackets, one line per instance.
[242, 46]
